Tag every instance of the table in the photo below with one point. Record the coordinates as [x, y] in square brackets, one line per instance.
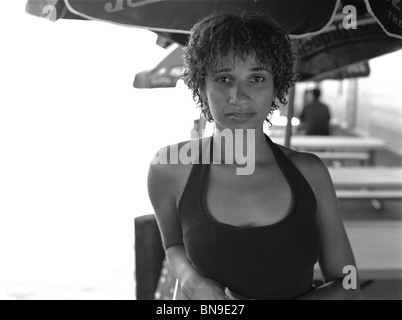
[367, 177]
[344, 143]
[377, 247]
[368, 183]
[335, 143]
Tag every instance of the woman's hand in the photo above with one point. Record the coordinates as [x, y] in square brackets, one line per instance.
[201, 288]
[234, 296]
[230, 295]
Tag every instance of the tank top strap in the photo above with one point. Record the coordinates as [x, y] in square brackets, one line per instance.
[196, 178]
[201, 156]
[281, 158]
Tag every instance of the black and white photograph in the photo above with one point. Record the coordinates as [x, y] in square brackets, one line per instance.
[171, 150]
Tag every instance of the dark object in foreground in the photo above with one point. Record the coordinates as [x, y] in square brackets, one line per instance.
[149, 256]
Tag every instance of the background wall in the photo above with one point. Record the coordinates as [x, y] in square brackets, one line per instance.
[369, 106]
[379, 108]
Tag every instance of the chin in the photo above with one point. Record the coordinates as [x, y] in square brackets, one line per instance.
[232, 125]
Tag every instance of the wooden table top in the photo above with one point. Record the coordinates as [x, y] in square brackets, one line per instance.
[367, 177]
[344, 143]
[377, 247]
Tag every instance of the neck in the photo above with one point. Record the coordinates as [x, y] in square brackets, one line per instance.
[232, 146]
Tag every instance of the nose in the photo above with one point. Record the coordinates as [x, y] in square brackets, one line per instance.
[239, 94]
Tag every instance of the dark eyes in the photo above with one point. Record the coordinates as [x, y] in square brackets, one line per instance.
[225, 80]
[258, 79]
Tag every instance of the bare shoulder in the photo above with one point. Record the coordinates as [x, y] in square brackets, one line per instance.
[302, 158]
[171, 166]
[167, 178]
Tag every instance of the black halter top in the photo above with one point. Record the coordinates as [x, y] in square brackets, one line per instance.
[272, 262]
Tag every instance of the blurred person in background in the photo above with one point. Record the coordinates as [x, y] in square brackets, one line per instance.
[315, 117]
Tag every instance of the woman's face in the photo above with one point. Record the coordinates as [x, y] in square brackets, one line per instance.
[239, 93]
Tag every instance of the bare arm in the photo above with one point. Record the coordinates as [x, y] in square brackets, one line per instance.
[162, 187]
[193, 285]
[336, 252]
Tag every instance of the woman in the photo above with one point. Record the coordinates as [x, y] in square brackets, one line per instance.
[257, 235]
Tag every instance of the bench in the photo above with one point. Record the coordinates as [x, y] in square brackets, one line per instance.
[363, 157]
[369, 194]
[336, 144]
[367, 178]
[376, 197]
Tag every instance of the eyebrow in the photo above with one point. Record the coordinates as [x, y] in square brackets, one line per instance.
[256, 69]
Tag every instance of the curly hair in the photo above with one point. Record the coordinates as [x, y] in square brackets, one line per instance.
[219, 34]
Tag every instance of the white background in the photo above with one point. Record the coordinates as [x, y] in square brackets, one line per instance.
[76, 140]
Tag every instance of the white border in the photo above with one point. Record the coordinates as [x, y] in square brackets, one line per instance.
[68, 5]
[379, 22]
[323, 29]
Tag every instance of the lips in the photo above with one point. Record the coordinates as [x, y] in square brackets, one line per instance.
[240, 116]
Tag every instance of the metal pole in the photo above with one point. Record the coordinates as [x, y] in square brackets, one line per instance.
[288, 133]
